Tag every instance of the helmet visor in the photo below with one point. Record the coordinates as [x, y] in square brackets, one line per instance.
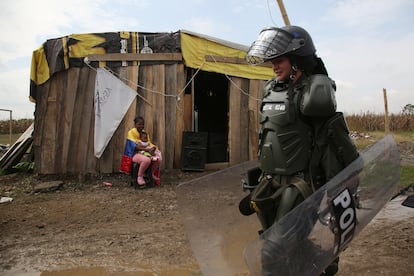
[272, 42]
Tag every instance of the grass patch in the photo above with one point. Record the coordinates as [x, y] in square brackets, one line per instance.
[5, 138]
[374, 136]
[403, 136]
[406, 175]
[406, 171]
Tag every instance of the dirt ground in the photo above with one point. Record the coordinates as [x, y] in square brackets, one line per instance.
[90, 227]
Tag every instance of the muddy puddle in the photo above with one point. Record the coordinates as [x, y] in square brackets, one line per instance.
[102, 271]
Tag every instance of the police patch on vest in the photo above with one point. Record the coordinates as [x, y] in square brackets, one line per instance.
[345, 219]
[274, 106]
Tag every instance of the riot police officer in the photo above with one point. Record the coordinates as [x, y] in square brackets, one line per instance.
[303, 140]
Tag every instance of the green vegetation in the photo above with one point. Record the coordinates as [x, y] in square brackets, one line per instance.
[17, 126]
[373, 136]
[406, 171]
[406, 175]
[5, 138]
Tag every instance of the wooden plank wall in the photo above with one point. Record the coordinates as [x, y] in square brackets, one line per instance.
[179, 114]
[255, 92]
[63, 139]
[64, 118]
[159, 112]
[151, 103]
[171, 91]
[244, 109]
[238, 121]
[39, 123]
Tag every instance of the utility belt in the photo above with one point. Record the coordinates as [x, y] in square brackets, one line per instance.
[266, 197]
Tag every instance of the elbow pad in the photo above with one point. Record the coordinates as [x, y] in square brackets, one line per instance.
[318, 98]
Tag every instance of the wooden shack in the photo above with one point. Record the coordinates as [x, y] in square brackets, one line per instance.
[195, 92]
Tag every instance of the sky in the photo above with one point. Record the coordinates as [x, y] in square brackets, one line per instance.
[366, 45]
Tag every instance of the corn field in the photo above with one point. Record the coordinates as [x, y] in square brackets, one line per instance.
[366, 122]
[17, 126]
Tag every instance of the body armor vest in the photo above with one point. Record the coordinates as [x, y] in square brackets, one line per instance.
[303, 143]
[285, 137]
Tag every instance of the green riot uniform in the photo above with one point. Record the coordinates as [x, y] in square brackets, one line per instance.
[303, 140]
[298, 149]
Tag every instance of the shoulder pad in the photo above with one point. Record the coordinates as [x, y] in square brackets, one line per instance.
[318, 96]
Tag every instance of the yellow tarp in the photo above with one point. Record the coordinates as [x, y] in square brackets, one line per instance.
[199, 52]
[202, 53]
[39, 72]
[62, 53]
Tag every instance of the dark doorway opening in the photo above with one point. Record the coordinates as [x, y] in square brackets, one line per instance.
[211, 106]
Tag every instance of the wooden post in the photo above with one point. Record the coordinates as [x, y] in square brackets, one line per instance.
[284, 13]
[386, 118]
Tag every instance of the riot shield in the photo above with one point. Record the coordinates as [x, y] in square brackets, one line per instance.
[307, 239]
[312, 235]
[215, 228]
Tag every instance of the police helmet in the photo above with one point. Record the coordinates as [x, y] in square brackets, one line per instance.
[274, 42]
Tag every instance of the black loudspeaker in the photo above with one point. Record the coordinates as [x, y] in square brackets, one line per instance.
[193, 159]
[217, 147]
[195, 139]
[194, 151]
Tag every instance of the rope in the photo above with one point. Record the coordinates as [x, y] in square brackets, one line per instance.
[178, 96]
[235, 85]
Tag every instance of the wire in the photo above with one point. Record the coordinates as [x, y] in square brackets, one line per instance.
[137, 85]
[192, 78]
[128, 81]
[178, 96]
[235, 85]
[270, 13]
[86, 61]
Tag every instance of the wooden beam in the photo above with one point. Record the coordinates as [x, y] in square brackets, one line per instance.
[136, 57]
[386, 117]
[283, 12]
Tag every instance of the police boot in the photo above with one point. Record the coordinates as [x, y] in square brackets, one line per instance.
[332, 269]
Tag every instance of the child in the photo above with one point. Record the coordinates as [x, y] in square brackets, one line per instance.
[150, 150]
[147, 148]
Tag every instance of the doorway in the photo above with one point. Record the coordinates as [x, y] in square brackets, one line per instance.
[211, 108]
